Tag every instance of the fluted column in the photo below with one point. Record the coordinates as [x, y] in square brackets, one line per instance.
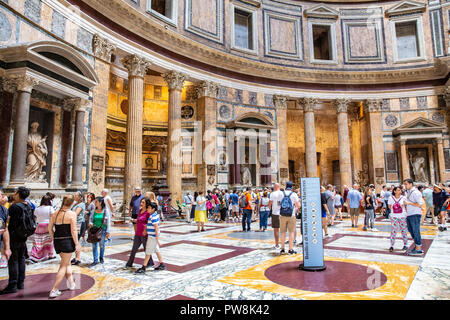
[175, 82]
[9, 88]
[345, 166]
[65, 142]
[441, 160]
[137, 68]
[308, 105]
[206, 103]
[404, 160]
[19, 153]
[280, 103]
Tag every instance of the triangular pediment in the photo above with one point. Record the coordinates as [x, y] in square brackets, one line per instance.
[406, 7]
[418, 125]
[321, 11]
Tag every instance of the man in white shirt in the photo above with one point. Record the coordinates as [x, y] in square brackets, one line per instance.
[275, 202]
[413, 202]
[188, 199]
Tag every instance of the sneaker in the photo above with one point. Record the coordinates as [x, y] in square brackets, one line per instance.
[276, 247]
[76, 263]
[292, 252]
[141, 270]
[93, 264]
[364, 228]
[391, 249]
[405, 248]
[416, 252]
[353, 225]
[8, 290]
[282, 252]
[127, 267]
[72, 286]
[162, 266]
[54, 294]
[375, 229]
[102, 261]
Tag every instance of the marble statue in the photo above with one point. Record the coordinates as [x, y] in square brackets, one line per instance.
[36, 155]
[418, 164]
[246, 177]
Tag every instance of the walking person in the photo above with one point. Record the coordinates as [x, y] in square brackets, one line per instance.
[338, 202]
[188, 199]
[200, 212]
[330, 194]
[275, 204]
[63, 230]
[439, 198]
[428, 196]
[194, 205]
[153, 243]
[21, 225]
[42, 242]
[235, 206]
[79, 208]
[140, 235]
[90, 207]
[245, 205]
[413, 204]
[353, 203]
[264, 211]
[100, 219]
[288, 221]
[325, 211]
[398, 218]
[444, 210]
[135, 204]
[109, 206]
[222, 207]
[369, 210]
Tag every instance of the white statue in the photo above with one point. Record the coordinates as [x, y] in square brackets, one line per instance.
[418, 165]
[36, 155]
[246, 177]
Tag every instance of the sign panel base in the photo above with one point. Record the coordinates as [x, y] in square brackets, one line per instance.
[318, 268]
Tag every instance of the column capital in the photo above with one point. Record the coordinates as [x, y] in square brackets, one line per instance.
[280, 101]
[372, 105]
[137, 66]
[342, 105]
[9, 85]
[207, 89]
[76, 104]
[439, 140]
[175, 79]
[102, 48]
[24, 83]
[308, 104]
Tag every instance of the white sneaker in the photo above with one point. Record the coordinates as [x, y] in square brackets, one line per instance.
[276, 247]
[54, 294]
[375, 229]
[72, 287]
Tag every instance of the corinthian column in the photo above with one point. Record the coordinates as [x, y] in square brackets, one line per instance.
[19, 153]
[9, 88]
[310, 136]
[280, 103]
[175, 82]
[137, 68]
[345, 166]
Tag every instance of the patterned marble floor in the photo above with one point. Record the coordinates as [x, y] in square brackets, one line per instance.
[224, 263]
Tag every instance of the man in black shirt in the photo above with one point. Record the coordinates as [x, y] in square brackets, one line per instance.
[16, 263]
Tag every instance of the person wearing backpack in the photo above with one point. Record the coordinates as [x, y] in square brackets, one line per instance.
[21, 225]
[398, 217]
[288, 221]
[245, 204]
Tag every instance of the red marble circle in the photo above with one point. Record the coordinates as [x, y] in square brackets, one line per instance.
[38, 287]
[338, 277]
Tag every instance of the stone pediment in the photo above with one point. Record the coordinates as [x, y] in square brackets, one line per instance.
[419, 125]
[321, 11]
[406, 7]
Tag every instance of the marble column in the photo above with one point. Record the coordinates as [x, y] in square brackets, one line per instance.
[206, 103]
[21, 123]
[103, 50]
[441, 160]
[65, 142]
[175, 82]
[280, 103]
[404, 161]
[9, 88]
[447, 103]
[308, 105]
[345, 166]
[137, 68]
[78, 139]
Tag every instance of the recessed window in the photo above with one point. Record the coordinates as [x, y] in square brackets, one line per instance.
[243, 29]
[322, 42]
[164, 9]
[407, 40]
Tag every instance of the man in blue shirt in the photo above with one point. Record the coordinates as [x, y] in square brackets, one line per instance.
[235, 205]
[353, 202]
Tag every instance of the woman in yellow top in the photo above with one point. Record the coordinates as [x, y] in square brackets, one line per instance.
[200, 212]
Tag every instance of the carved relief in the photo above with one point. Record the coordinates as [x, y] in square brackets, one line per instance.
[36, 155]
[102, 48]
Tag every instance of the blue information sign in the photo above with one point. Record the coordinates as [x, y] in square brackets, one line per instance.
[312, 225]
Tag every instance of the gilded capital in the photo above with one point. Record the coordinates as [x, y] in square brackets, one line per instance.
[24, 83]
[136, 66]
[207, 89]
[308, 104]
[102, 48]
[175, 79]
[280, 102]
[372, 105]
[342, 105]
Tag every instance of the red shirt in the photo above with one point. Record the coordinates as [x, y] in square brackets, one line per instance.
[141, 222]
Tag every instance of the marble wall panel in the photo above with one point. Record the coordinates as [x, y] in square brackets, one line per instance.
[33, 10]
[58, 26]
[204, 18]
[7, 27]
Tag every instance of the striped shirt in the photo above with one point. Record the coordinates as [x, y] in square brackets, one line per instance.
[154, 220]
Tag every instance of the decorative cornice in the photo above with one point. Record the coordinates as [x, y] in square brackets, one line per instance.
[372, 105]
[342, 105]
[175, 79]
[136, 66]
[207, 89]
[24, 83]
[308, 104]
[138, 23]
[280, 102]
[102, 48]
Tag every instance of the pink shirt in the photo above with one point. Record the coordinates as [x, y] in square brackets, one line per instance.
[141, 222]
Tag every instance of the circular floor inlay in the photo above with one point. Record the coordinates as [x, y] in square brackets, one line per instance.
[338, 277]
[38, 287]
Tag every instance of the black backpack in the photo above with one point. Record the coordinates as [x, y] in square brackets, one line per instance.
[27, 225]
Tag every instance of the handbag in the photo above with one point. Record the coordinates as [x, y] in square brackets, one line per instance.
[95, 233]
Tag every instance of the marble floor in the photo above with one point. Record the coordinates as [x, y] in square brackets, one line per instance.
[224, 263]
